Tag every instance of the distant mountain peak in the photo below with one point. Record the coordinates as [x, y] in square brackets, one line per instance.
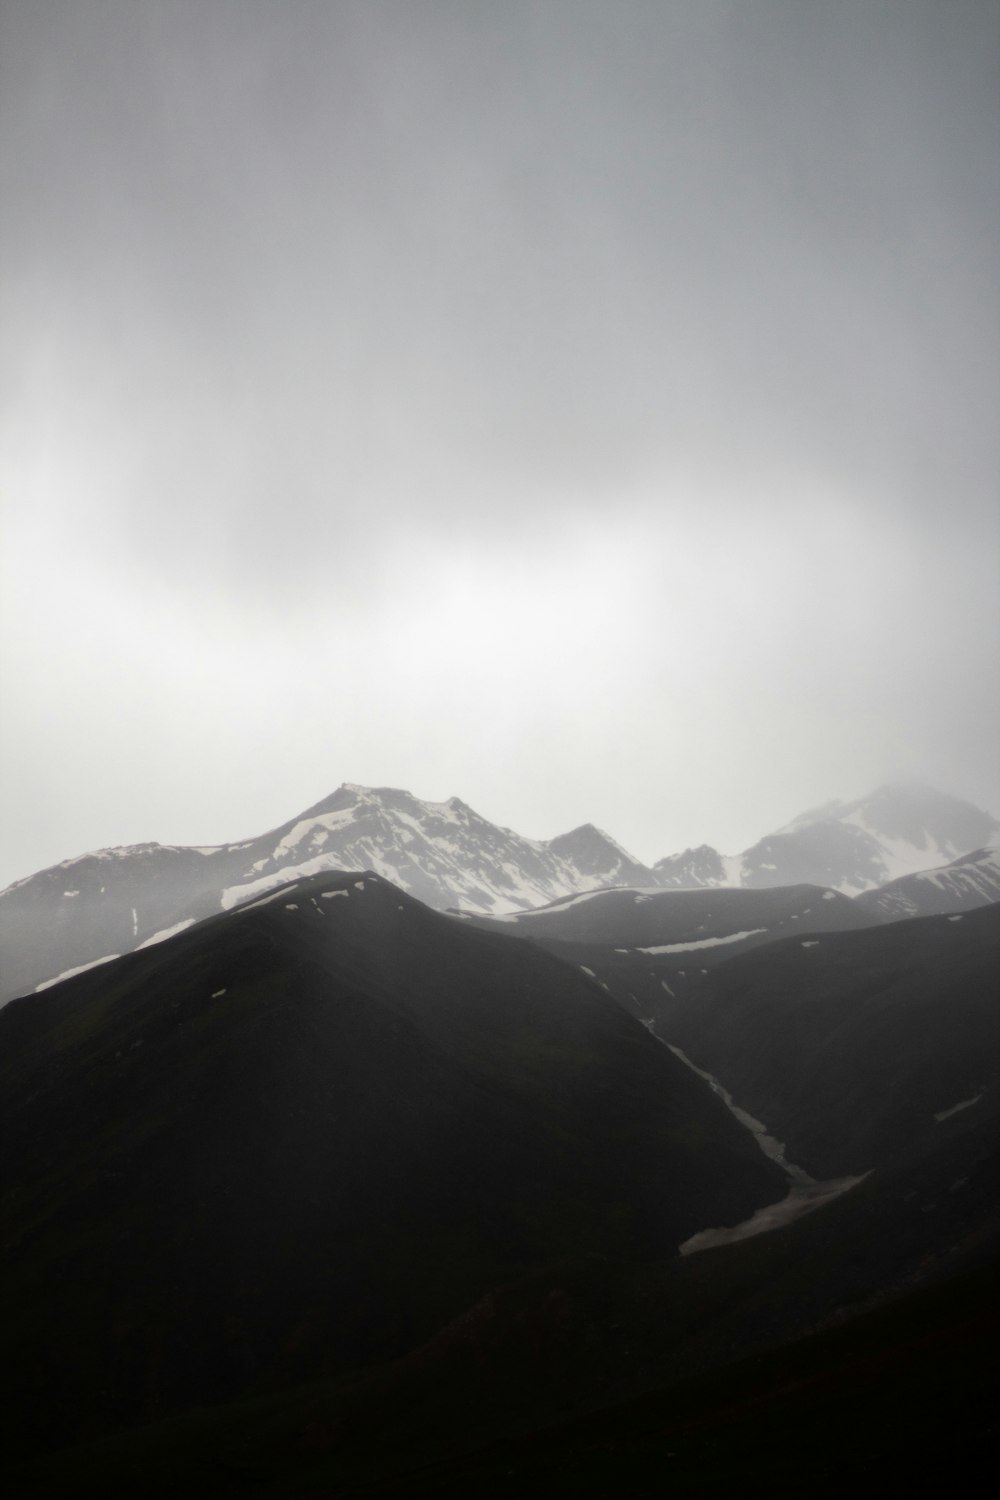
[899, 828]
[448, 856]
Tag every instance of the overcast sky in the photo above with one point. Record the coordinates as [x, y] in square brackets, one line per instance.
[588, 408]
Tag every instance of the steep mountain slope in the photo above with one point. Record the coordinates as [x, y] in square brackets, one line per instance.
[105, 904]
[302, 1136]
[735, 1370]
[851, 846]
[859, 1049]
[694, 868]
[445, 854]
[596, 860]
[650, 949]
[967, 883]
[688, 920]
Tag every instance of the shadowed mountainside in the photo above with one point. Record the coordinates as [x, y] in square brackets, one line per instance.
[853, 846]
[335, 1195]
[301, 1137]
[966, 883]
[445, 854]
[857, 1048]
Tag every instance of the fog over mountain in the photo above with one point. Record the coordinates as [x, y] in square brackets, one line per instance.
[499, 775]
[96, 906]
[331, 1193]
[585, 408]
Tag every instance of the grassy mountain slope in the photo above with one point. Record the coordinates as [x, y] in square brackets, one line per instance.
[298, 1139]
[850, 1045]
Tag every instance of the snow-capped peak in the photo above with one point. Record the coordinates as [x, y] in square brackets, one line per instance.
[896, 830]
[449, 856]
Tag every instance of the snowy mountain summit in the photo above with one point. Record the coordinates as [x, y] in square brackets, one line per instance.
[447, 855]
[443, 853]
[896, 830]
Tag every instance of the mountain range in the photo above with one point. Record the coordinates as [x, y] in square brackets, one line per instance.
[330, 1193]
[967, 882]
[850, 846]
[305, 1135]
[114, 901]
[859, 1048]
[645, 946]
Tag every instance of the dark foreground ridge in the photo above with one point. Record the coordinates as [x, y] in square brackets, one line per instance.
[447, 855]
[299, 1139]
[337, 1196]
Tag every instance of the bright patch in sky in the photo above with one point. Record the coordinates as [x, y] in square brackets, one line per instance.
[578, 413]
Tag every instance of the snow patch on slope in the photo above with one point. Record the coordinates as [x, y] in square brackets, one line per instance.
[95, 963]
[711, 942]
[167, 932]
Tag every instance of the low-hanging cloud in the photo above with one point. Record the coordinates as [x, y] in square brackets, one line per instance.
[367, 333]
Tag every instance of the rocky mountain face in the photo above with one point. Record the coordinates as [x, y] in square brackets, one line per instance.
[851, 846]
[448, 856]
[444, 854]
[703, 866]
[968, 882]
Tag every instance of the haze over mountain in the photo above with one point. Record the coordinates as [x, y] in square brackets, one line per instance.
[643, 945]
[852, 846]
[445, 854]
[331, 1192]
[306, 1135]
[586, 407]
[970, 881]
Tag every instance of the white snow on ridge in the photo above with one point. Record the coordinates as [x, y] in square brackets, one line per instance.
[960, 882]
[451, 857]
[167, 932]
[901, 856]
[712, 942]
[447, 811]
[71, 973]
[322, 825]
[557, 906]
[261, 900]
[946, 1114]
[477, 865]
[239, 895]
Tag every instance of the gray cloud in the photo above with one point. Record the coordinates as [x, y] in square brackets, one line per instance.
[308, 301]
